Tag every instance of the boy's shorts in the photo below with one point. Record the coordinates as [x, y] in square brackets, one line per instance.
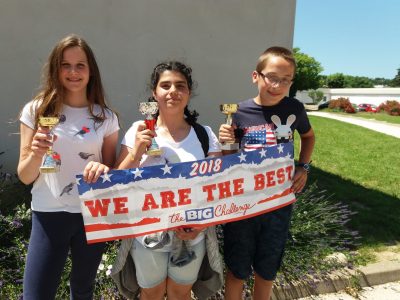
[153, 267]
[259, 242]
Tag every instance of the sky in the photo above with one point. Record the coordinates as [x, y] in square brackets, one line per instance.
[353, 37]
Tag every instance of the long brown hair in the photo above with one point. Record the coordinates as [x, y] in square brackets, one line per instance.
[51, 96]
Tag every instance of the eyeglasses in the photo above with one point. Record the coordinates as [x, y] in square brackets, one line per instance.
[275, 80]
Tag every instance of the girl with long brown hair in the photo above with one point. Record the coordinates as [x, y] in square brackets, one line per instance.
[84, 139]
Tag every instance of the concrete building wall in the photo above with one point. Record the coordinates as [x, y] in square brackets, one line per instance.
[220, 39]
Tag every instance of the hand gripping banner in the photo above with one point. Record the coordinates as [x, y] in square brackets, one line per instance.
[128, 203]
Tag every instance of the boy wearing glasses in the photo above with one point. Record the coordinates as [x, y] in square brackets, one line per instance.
[268, 119]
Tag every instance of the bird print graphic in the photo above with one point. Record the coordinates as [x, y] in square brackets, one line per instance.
[62, 119]
[85, 155]
[56, 158]
[67, 189]
[83, 131]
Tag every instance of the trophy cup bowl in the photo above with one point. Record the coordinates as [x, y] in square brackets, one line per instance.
[51, 162]
[149, 109]
[228, 110]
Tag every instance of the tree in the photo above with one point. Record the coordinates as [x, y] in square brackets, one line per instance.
[323, 81]
[395, 82]
[335, 81]
[358, 82]
[381, 81]
[316, 96]
[307, 73]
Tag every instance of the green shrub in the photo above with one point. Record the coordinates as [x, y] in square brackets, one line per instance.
[15, 227]
[105, 287]
[317, 230]
[12, 192]
[14, 234]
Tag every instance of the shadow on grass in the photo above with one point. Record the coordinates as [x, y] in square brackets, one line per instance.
[378, 214]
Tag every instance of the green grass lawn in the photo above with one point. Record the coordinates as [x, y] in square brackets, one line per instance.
[361, 168]
[382, 116]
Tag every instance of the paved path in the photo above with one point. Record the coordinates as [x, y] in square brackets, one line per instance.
[379, 281]
[388, 291]
[380, 126]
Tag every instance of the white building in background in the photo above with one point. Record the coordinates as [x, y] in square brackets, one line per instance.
[355, 95]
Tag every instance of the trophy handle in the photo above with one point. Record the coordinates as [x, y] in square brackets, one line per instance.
[51, 161]
[149, 109]
[229, 110]
[150, 123]
[229, 119]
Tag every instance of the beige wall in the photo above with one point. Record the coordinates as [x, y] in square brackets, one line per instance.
[220, 39]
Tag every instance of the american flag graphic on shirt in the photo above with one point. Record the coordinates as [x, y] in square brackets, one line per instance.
[256, 137]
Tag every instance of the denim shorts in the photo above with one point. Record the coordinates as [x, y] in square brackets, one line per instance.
[153, 267]
[258, 243]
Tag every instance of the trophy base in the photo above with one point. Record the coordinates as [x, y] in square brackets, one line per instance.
[49, 169]
[233, 146]
[154, 152]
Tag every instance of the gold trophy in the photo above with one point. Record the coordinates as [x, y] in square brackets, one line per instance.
[149, 109]
[228, 110]
[52, 160]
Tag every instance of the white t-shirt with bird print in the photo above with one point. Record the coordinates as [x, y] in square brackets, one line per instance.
[79, 141]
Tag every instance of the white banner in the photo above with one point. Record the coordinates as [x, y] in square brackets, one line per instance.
[134, 202]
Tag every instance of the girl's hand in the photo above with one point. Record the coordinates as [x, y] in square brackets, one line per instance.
[227, 133]
[143, 139]
[42, 141]
[300, 179]
[93, 170]
[185, 234]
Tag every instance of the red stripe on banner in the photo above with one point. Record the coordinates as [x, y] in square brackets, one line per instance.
[284, 193]
[253, 146]
[112, 238]
[99, 227]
